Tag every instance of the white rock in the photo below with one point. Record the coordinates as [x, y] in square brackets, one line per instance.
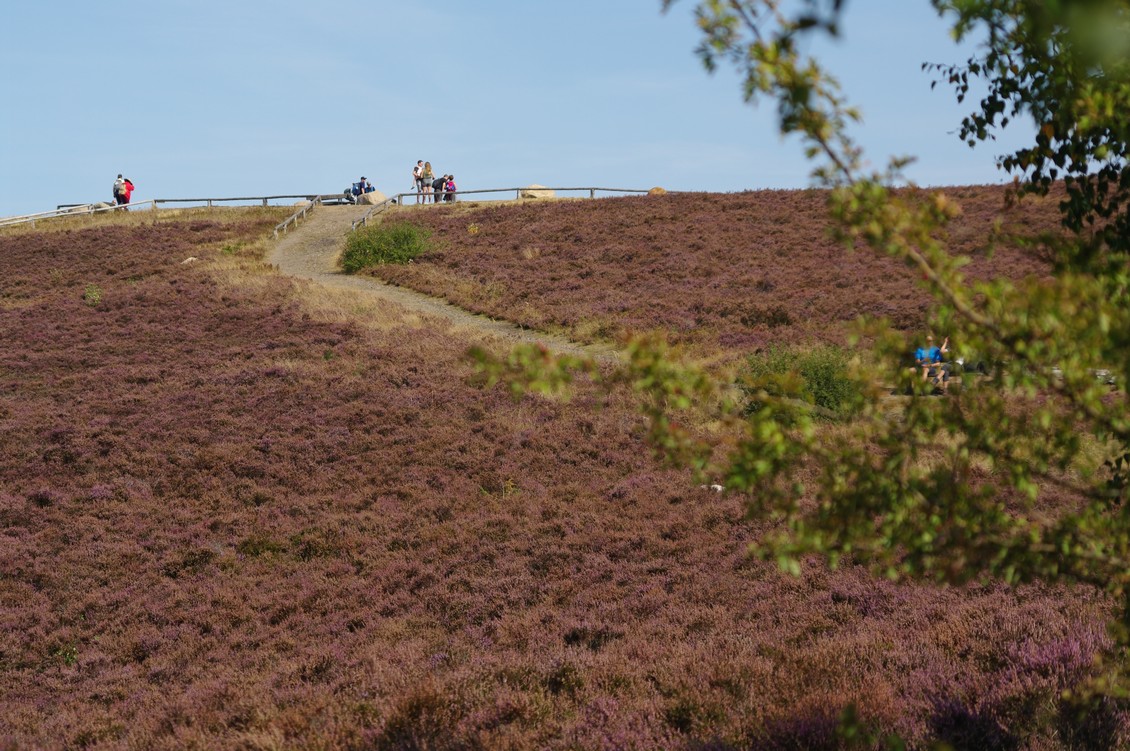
[372, 199]
[536, 191]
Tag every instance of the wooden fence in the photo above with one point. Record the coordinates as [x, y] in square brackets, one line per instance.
[313, 200]
[83, 209]
[398, 199]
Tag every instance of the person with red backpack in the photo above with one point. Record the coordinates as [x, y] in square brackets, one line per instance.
[122, 190]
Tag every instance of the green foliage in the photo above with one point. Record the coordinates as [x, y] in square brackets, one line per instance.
[952, 490]
[67, 654]
[994, 481]
[818, 376]
[92, 295]
[398, 242]
[1066, 68]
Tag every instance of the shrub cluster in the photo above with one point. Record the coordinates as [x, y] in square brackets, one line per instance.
[395, 242]
[819, 375]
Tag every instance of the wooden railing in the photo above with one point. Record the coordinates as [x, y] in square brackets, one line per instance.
[71, 210]
[82, 209]
[294, 219]
[398, 199]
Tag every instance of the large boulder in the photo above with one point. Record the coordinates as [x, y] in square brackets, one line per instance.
[372, 199]
[657, 191]
[536, 191]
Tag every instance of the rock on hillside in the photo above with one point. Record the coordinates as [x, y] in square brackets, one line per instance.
[536, 191]
[372, 199]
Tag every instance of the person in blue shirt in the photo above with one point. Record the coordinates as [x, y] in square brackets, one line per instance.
[931, 361]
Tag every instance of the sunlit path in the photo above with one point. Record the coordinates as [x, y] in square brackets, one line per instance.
[311, 252]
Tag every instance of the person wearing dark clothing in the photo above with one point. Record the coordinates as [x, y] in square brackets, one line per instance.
[438, 186]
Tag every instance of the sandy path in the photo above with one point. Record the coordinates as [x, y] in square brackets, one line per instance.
[311, 252]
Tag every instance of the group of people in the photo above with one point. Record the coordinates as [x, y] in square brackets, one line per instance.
[359, 188]
[429, 188]
[123, 189]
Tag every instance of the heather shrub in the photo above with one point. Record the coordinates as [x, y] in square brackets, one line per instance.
[255, 527]
[820, 376]
[384, 243]
[424, 719]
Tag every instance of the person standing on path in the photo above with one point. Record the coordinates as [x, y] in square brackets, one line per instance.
[426, 182]
[119, 190]
[418, 178]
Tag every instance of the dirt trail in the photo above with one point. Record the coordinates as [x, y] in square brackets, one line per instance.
[311, 252]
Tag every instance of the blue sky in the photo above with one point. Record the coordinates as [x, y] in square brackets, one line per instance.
[215, 98]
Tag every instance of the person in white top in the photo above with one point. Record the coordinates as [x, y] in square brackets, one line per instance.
[418, 177]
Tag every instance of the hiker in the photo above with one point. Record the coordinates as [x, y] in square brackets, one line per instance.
[365, 185]
[930, 360]
[426, 182]
[123, 188]
[438, 186]
[449, 189]
[418, 179]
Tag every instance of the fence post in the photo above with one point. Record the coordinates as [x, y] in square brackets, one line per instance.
[592, 192]
[264, 203]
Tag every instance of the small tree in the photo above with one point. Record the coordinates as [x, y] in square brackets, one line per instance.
[957, 490]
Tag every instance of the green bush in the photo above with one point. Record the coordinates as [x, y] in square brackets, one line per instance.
[820, 376]
[384, 243]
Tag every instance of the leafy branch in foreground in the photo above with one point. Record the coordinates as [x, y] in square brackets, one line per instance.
[1022, 475]
[952, 492]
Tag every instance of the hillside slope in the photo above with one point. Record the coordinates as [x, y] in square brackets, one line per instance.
[712, 271]
[236, 512]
